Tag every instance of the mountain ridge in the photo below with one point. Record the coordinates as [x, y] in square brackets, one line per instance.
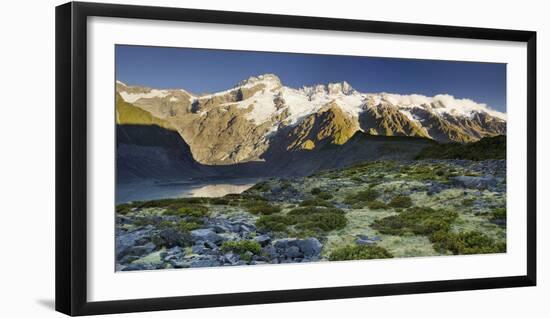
[240, 124]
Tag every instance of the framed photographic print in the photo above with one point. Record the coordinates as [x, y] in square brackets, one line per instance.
[209, 158]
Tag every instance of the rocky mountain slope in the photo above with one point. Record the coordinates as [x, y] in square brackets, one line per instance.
[241, 124]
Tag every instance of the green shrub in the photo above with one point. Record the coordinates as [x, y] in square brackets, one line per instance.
[220, 201]
[191, 211]
[325, 196]
[241, 247]
[142, 222]
[261, 207]
[181, 225]
[233, 196]
[473, 242]
[358, 205]
[173, 204]
[362, 196]
[423, 171]
[124, 208]
[286, 185]
[274, 223]
[185, 226]
[311, 219]
[468, 202]
[165, 224]
[318, 219]
[309, 210]
[400, 201]
[416, 220]
[358, 252]
[376, 205]
[315, 191]
[498, 214]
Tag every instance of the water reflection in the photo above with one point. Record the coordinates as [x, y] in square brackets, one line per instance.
[219, 190]
[152, 191]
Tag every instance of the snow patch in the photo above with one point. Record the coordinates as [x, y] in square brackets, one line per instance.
[132, 97]
[441, 104]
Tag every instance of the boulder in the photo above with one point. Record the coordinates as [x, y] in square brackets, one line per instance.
[125, 241]
[173, 254]
[231, 258]
[171, 237]
[310, 246]
[198, 248]
[205, 263]
[293, 252]
[205, 235]
[141, 250]
[263, 240]
[270, 251]
[284, 243]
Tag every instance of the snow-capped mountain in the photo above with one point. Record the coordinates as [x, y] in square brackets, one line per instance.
[261, 116]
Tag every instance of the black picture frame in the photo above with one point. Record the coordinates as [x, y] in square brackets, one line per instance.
[71, 157]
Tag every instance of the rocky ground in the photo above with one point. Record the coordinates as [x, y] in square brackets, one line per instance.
[373, 210]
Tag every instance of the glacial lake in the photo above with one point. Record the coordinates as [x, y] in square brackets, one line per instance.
[145, 191]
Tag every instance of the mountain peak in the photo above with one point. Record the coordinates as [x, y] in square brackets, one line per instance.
[330, 89]
[340, 87]
[270, 80]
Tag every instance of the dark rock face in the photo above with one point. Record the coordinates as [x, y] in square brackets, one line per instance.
[153, 153]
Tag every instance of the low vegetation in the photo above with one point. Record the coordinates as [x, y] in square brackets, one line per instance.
[376, 205]
[189, 211]
[361, 198]
[372, 210]
[261, 207]
[498, 214]
[416, 221]
[313, 220]
[400, 201]
[485, 148]
[358, 252]
[473, 242]
[245, 248]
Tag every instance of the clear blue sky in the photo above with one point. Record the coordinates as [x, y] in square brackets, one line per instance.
[201, 71]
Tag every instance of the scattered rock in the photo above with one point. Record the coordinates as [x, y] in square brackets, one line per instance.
[263, 239]
[483, 182]
[128, 240]
[205, 235]
[171, 237]
[205, 263]
[231, 258]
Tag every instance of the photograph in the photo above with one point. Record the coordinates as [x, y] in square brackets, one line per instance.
[248, 158]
